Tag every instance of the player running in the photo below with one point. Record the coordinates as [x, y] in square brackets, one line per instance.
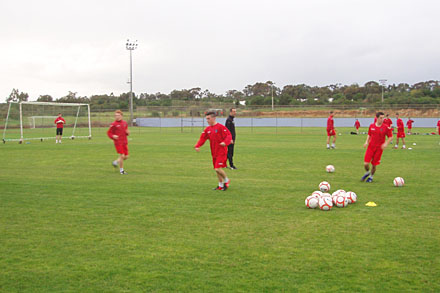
[219, 138]
[59, 121]
[118, 131]
[357, 124]
[409, 124]
[375, 145]
[400, 132]
[331, 131]
[388, 121]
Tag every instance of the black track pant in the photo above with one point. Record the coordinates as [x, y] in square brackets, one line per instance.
[231, 154]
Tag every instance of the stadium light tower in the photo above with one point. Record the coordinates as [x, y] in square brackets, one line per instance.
[272, 94]
[383, 82]
[130, 47]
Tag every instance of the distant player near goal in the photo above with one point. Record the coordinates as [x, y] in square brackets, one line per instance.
[409, 124]
[375, 145]
[219, 138]
[357, 124]
[331, 131]
[59, 121]
[118, 132]
[400, 132]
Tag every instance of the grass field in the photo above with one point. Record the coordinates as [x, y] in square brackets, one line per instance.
[70, 222]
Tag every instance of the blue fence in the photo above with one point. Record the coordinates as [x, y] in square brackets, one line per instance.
[274, 122]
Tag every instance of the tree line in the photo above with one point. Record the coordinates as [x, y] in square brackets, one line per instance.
[260, 93]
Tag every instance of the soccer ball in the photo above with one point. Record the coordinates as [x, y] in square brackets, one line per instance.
[316, 193]
[324, 186]
[341, 201]
[399, 182]
[325, 203]
[330, 169]
[325, 194]
[312, 202]
[351, 197]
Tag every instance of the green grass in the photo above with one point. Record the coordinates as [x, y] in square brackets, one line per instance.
[70, 222]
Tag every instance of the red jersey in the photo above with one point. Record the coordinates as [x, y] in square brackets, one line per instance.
[216, 135]
[118, 128]
[438, 123]
[388, 122]
[357, 124]
[409, 123]
[377, 134]
[330, 123]
[60, 122]
[400, 124]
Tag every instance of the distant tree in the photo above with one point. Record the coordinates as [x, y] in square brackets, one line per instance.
[45, 98]
[17, 96]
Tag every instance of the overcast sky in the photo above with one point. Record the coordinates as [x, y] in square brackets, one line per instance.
[55, 46]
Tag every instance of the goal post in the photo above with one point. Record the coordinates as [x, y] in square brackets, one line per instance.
[41, 121]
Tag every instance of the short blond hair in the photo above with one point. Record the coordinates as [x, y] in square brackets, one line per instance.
[119, 112]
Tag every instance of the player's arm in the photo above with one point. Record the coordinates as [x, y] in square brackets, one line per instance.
[389, 139]
[367, 141]
[110, 133]
[202, 139]
[227, 137]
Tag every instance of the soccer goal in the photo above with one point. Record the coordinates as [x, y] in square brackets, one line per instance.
[36, 121]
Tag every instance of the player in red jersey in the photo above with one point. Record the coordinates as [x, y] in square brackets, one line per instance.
[118, 132]
[375, 145]
[400, 132]
[387, 121]
[219, 138]
[59, 121]
[409, 124]
[438, 127]
[331, 131]
[357, 124]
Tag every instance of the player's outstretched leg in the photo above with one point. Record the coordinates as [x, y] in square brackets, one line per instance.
[367, 168]
[373, 170]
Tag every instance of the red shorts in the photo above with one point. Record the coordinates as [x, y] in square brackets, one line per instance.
[219, 162]
[400, 133]
[373, 155]
[122, 149]
[331, 132]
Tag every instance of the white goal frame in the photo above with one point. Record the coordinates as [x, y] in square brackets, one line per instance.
[21, 139]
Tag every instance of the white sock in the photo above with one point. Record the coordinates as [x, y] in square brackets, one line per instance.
[371, 176]
[226, 180]
[395, 146]
[121, 169]
[404, 146]
[328, 145]
[56, 141]
[220, 184]
[333, 145]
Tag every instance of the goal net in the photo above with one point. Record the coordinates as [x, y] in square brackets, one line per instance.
[36, 121]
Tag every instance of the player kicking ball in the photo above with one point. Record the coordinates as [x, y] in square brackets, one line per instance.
[219, 138]
[375, 145]
[118, 132]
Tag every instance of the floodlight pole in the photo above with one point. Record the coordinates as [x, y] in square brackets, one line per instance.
[383, 83]
[272, 95]
[130, 47]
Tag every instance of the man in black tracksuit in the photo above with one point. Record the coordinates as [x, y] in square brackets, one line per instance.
[230, 125]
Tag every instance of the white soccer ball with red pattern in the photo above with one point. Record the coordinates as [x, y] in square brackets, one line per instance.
[312, 202]
[325, 194]
[399, 182]
[330, 168]
[317, 193]
[324, 186]
[325, 203]
[351, 196]
[341, 201]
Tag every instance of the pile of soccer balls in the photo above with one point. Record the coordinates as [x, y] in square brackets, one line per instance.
[325, 201]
